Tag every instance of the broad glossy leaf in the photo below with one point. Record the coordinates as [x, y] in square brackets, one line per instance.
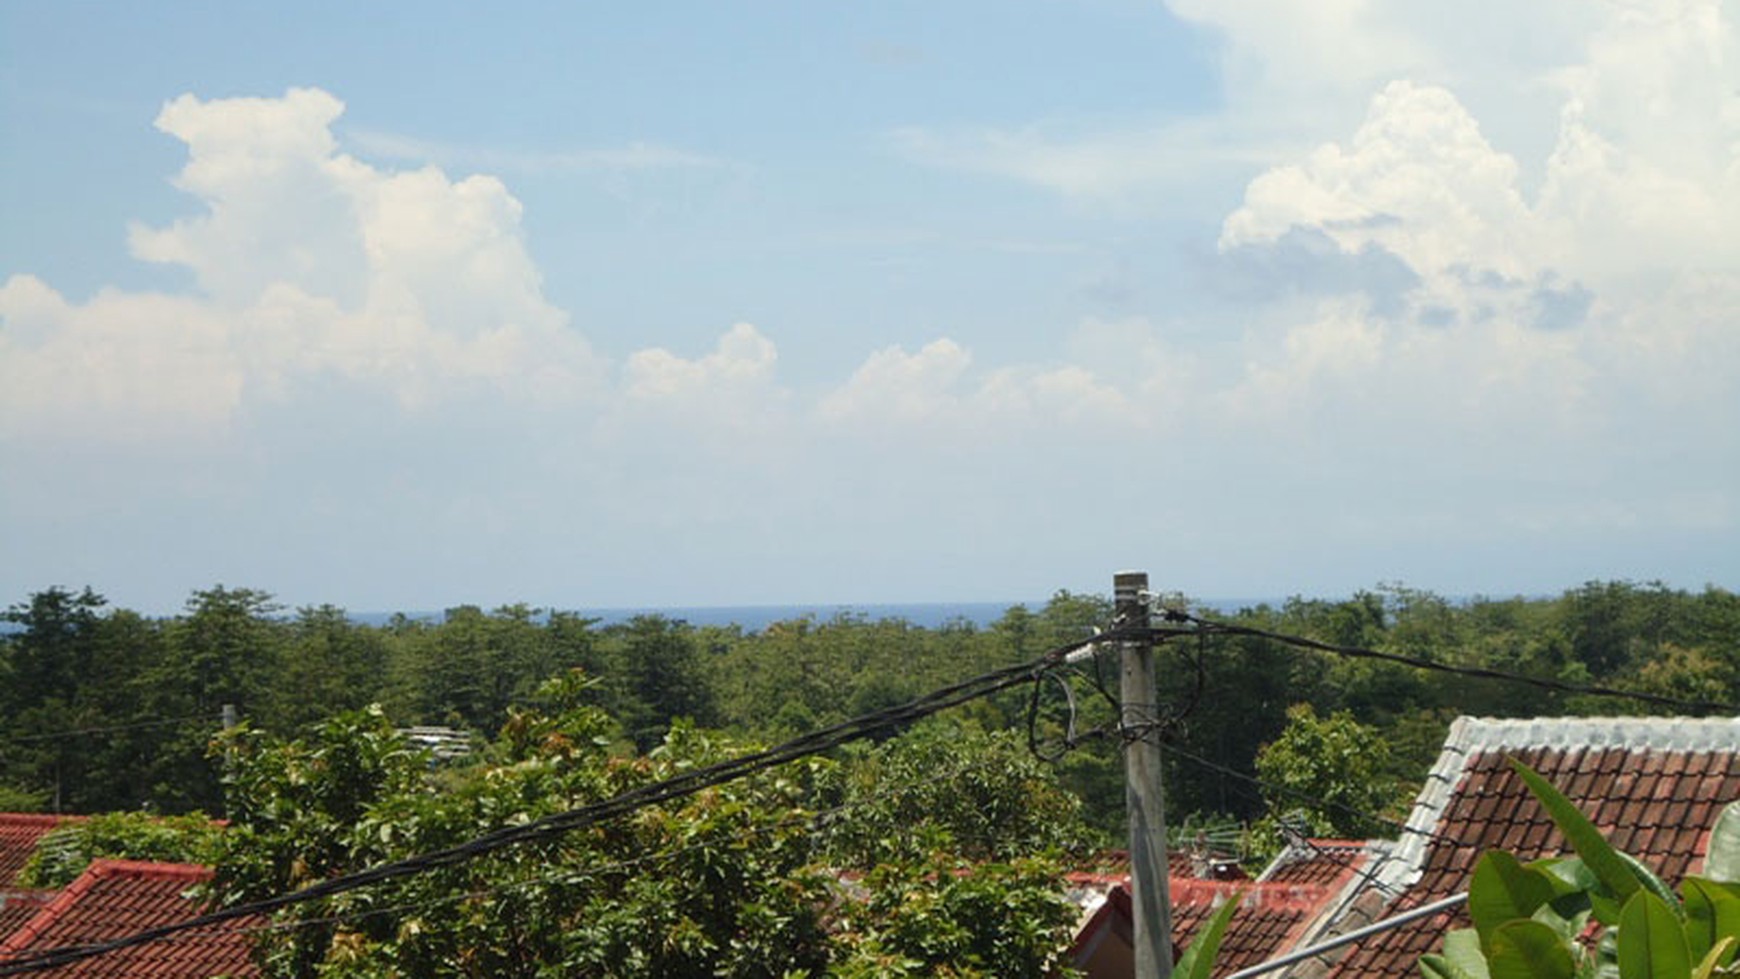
[1605, 908]
[1567, 927]
[1568, 874]
[1575, 886]
[1463, 952]
[1712, 912]
[1652, 941]
[1441, 967]
[1503, 890]
[1652, 883]
[1722, 862]
[1598, 855]
[1529, 950]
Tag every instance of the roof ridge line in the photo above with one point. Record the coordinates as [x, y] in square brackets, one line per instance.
[115, 866]
[1658, 733]
[48, 914]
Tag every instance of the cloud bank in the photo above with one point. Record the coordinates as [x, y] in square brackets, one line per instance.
[1428, 337]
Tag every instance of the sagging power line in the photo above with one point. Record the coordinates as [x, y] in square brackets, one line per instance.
[817, 821]
[549, 827]
[1302, 796]
[200, 719]
[1214, 627]
[1137, 723]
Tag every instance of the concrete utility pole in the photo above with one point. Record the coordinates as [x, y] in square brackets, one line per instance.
[228, 716]
[1151, 904]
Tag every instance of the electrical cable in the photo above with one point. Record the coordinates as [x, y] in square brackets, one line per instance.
[1481, 672]
[1174, 748]
[1127, 730]
[1122, 725]
[1304, 840]
[826, 739]
[109, 729]
[1362, 873]
[817, 819]
[1069, 735]
[1196, 659]
[555, 825]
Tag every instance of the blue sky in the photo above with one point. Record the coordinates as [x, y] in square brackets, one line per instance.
[588, 305]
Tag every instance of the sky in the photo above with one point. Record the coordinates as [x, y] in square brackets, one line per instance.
[687, 304]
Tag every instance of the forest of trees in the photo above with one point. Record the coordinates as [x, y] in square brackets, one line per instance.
[103, 709]
[953, 832]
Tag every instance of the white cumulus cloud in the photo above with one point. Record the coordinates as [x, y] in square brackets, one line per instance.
[307, 262]
[730, 398]
[125, 367]
[935, 396]
[1417, 179]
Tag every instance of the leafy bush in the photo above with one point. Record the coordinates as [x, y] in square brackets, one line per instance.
[63, 854]
[954, 919]
[1328, 773]
[1531, 920]
[15, 799]
[948, 788]
[735, 880]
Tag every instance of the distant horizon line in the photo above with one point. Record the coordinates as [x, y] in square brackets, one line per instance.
[978, 610]
[756, 617]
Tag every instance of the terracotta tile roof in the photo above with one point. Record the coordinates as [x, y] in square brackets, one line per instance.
[1320, 862]
[19, 833]
[19, 906]
[1266, 918]
[1181, 865]
[1117, 862]
[1653, 785]
[1269, 918]
[114, 898]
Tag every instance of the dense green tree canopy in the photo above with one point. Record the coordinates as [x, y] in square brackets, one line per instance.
[103, 709]
[1329, 774]
[739, 880]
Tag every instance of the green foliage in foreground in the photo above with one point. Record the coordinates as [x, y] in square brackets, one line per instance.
[64, 853]
[1530, 919]
[734, 881]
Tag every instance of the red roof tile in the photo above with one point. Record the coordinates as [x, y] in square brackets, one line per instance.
[1267, 917]
[116, 898]
[1321, 862]
[1624, 778]
[19, 906]
[1117, 862]
[1270, 916]
[19, 833]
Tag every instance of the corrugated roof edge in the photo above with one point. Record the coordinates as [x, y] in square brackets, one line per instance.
[1663, 733]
